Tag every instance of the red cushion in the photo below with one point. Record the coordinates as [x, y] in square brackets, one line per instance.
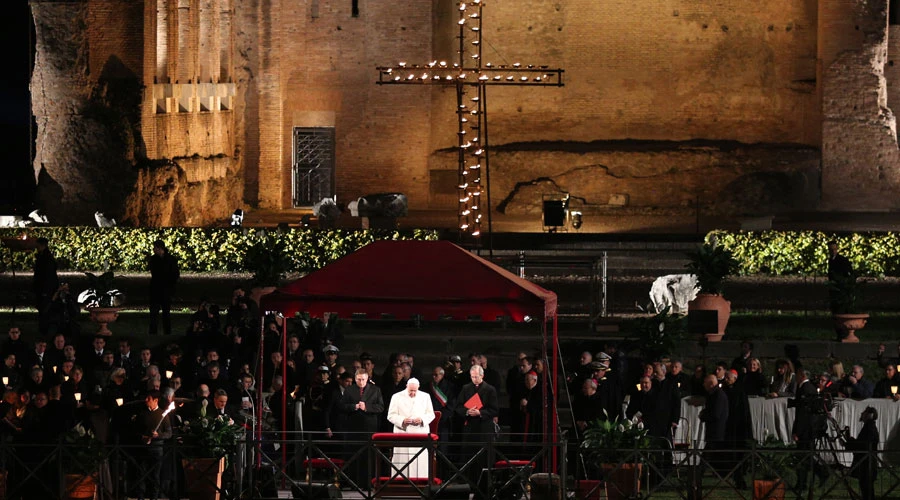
[504, 464]
[399, 436]
[321, 463]
[418, 481]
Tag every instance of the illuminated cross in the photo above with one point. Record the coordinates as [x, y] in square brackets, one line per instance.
[471, 110]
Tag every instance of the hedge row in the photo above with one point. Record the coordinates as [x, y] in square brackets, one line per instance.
[806, 252]
[198, 249]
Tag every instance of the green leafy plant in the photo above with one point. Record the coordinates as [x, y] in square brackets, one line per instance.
[605, 440]
[806, 252]
[773, 460]
[101, 291]
[82, 451]
[267, 260]
[712, 264]
[657, 335]
[846, 294]
[123, 249]
[211, 437]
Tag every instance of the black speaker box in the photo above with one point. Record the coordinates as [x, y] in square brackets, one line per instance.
[554, 213]
[703, 322]
[315, 490]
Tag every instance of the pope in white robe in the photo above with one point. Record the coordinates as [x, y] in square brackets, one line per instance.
[410, 411]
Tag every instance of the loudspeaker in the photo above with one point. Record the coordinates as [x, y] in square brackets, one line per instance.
[703, 322]
[554, 213]
[315, 490]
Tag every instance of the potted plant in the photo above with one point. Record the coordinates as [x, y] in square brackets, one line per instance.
[102, 299]
[82, 456]
[327, 212]
[774, 467]
[657, 335]
[712, 264]
[846, 296]
[605, 443]
[208, 441]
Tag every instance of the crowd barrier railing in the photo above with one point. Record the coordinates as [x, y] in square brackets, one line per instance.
[499, 467]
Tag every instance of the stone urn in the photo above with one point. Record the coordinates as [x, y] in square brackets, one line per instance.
[713, 302]
[849, 323]
[103, 316]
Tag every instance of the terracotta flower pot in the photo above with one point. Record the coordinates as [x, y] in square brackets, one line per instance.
[622, 481]
[849, 323]
[589, 489]
[203, 477]
[764, 489]
[103, 316]
[710, 302]
[79, 486]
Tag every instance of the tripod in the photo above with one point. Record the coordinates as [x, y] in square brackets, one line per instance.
[826, 443]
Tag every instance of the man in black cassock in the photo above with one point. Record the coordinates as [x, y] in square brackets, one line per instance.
[738, 429]
[715, 417]
[477, 415]
[363, 405]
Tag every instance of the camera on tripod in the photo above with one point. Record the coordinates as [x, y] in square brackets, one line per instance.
[814, 404]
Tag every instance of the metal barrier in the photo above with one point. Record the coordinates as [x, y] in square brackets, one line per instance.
[363, 468]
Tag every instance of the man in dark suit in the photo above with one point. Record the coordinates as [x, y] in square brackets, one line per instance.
[864, 446]
[164, 274]
[153, 427]
[809, 424]
[883, 389]
[363, 406]
[715, 417]
[738, 429]
[443, 399]
[45, 282]
[477, 419]
[36, 357]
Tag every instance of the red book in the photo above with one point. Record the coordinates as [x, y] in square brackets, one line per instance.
[474, 402]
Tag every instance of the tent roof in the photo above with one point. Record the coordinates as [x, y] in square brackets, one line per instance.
[435, 279]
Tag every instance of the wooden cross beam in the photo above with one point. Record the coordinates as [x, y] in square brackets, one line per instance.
[471, 79]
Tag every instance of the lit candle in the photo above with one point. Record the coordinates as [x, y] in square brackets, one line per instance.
[77, 396]
[638, 386]
[65, 378]
[679, 385]
[169, 373]
[5, 380]
[54, 369]
[120, 401]
[893, 389]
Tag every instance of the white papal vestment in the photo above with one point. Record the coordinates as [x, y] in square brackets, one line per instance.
[402, 407]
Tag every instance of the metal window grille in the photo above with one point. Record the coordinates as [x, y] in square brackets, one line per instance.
[313, 165]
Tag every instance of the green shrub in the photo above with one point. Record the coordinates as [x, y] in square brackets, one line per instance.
[198, 249]
[806, 252]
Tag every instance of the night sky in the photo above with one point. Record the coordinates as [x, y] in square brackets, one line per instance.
[16, 35]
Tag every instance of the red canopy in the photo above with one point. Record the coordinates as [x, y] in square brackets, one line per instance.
[435, 279]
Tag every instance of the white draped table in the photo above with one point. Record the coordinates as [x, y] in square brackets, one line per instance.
[772, 417]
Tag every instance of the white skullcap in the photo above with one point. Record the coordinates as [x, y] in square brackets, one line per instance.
[412, 381]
